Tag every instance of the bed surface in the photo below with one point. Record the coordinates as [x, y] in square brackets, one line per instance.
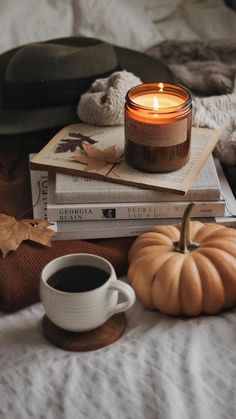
[161, 367]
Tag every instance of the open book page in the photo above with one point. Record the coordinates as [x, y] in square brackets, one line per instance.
[59, 154]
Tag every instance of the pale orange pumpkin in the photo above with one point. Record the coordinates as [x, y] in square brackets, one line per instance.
[186, 269]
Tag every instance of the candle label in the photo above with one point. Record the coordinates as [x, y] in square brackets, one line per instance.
[156, 135]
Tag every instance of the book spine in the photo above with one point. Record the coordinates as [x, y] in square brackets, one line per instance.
[106, 233]
[39, 193]
[120, 229]
[142, 195]
[132, 211]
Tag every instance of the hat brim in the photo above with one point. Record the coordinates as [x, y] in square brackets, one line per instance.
[22, 121]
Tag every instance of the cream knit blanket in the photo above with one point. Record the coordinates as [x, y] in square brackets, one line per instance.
[219, 112]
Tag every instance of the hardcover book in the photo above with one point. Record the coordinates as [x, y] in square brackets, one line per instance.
[98, 152]
[71, 189]
[127, 210]
[85, 230]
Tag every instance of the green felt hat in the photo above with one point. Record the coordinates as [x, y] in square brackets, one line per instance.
[41, 83]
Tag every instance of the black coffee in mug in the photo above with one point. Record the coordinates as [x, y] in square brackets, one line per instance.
[78, 278]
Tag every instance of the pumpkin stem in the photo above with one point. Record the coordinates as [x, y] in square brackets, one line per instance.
[185, 244]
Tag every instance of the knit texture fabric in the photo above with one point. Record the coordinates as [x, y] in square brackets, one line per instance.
[219, 112]
[103, 103]
[20, 271]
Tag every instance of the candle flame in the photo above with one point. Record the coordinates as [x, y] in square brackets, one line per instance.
[161, 85]
[155, 103]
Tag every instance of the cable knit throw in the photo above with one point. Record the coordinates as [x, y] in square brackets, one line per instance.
[219, 112]
[103, 103]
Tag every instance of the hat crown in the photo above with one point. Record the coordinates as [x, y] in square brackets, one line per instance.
[44, 61]
[42, 82]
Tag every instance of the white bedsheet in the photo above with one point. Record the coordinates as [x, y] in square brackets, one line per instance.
[161, 367]
[134, 24]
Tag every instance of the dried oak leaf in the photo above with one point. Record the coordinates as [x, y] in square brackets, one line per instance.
[14, 232]
[70, 144]
[96, 158]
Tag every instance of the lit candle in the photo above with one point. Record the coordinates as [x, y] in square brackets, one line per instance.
[158, 127]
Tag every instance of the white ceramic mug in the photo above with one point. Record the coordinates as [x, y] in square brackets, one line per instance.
[81, 311]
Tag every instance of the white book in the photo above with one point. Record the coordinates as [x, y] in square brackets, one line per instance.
[229, 218]
[77, 189]
[85, 230]
[126, 210]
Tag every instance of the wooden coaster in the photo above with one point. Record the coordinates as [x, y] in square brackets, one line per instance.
[97, 338]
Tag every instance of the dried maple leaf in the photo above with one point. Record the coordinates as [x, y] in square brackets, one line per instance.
[14, 232]
[107, 155]
[96, 158]
[90, 163]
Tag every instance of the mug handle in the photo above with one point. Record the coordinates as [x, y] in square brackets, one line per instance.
[127, 291]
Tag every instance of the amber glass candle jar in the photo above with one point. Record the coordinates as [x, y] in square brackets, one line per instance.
[158, 120]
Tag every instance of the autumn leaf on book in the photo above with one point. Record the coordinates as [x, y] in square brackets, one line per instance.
[70, 144]
[14, 232]
[96, 158]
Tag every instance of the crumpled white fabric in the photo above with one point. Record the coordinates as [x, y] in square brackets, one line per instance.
[219, 112]
[162, 367]
[103, 103]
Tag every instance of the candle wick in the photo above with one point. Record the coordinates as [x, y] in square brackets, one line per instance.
[161, 85]
[155, 103]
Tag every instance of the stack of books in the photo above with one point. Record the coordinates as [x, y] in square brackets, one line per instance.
[82, 207]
